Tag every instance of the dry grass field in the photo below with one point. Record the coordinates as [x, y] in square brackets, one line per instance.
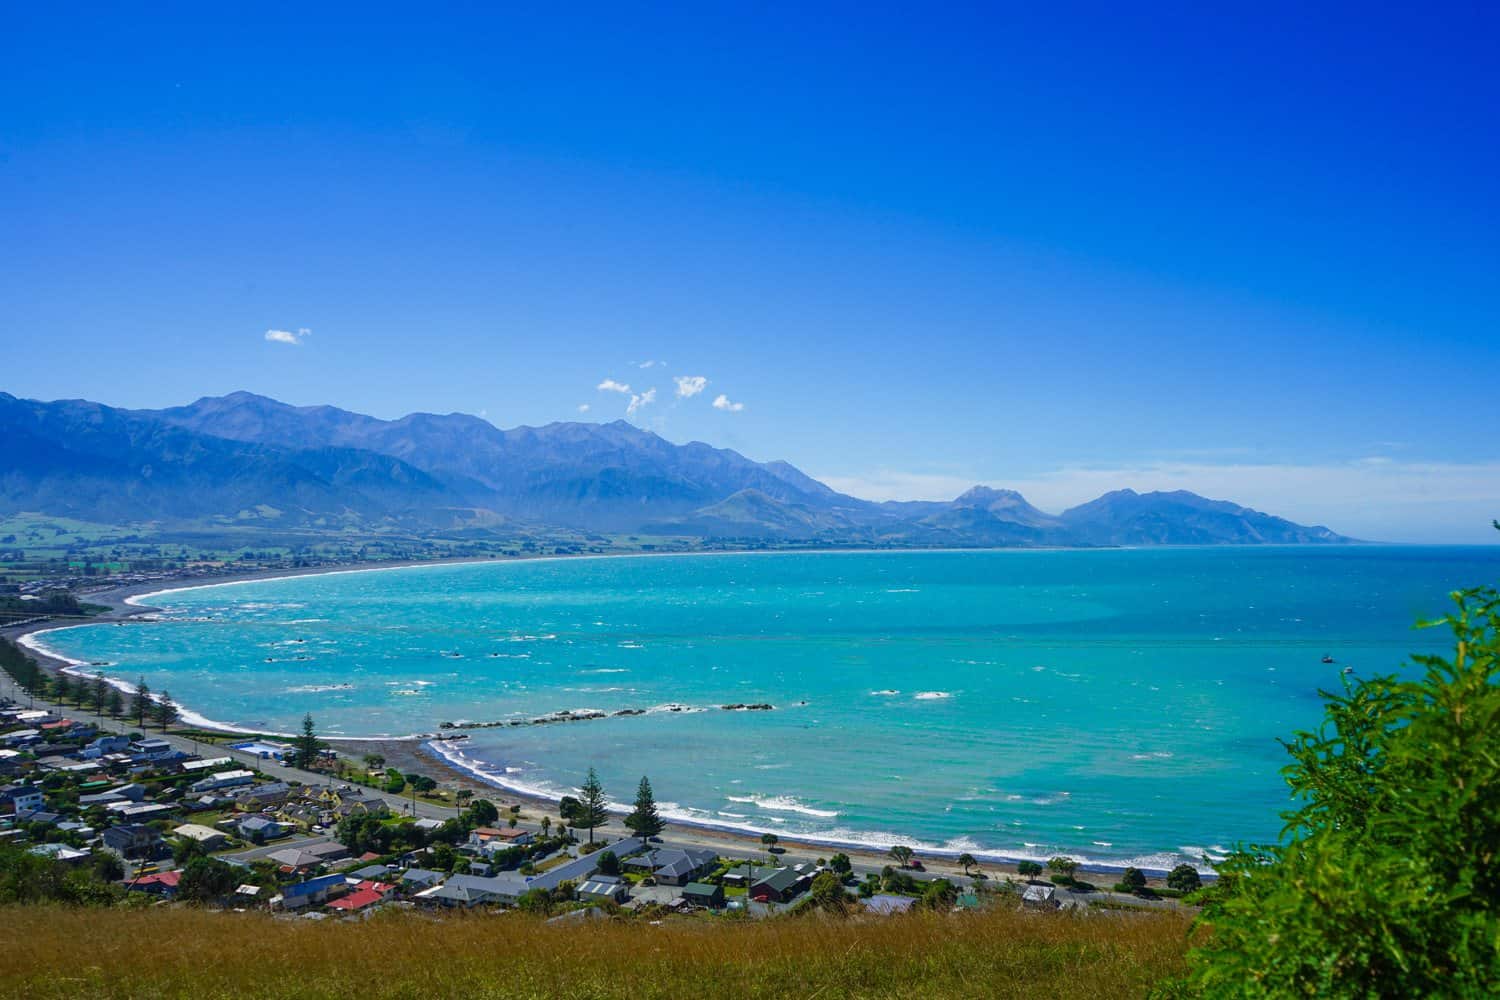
[168, 952]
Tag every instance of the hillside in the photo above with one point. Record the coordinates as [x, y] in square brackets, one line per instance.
[245, 459]
[180, 952]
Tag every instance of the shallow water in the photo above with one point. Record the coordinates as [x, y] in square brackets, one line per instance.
[1119, 705]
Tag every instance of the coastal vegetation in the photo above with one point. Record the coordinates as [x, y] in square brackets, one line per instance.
[1387, 879]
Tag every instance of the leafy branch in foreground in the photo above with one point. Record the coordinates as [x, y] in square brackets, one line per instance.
[1387, 879]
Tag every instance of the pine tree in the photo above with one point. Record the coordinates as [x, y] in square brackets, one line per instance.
[62, 689]
[140, 702]
[100, 692]
[116, 703]
[166, 711]
[309, 747]
[644, 820]
[590, 811]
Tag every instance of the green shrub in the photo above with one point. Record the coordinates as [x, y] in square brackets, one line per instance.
[1387, 879]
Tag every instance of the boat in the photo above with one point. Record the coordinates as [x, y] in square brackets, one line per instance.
[1348, 670]
[1327, 659]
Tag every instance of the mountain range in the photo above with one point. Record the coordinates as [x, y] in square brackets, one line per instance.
[253, 460]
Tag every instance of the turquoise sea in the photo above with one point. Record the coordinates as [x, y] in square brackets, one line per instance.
[1119, 705]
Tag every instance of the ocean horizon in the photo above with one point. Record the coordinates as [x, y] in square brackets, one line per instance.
[1118, 705]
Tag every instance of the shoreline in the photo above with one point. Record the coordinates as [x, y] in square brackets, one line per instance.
[421, 752]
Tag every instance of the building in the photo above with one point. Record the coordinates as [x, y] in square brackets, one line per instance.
[313, 892]
[223, 779]
[163, 884]
[676, 865]
[153, 748]
[262, 797]
[417, 879]
[133, 840]
[472, 890]
[296, 859]
[1043, 897]
[357, 899]
[704, 894]
[105, 745]
[604, 887]
[60, 852]
[887, 905]
[266, 750]
[258, 829]
[488, 839]
[21, 799]
[207, 836]
[204, 766]
[780, 886]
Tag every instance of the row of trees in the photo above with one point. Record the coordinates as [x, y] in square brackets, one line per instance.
[95, 694]
[589, 809]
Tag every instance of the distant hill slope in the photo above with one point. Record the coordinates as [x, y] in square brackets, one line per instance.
[1125, 517]
[249, 458]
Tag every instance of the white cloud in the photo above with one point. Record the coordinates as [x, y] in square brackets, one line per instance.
[288, 336]
[583, 407]
[649, 364]
[1390, 500]
[636, 402]
[690, 385]
[610, 385]
[722, 403]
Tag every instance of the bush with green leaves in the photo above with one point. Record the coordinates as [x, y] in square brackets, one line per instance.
[1133, 880]
[1386, 881]
[1184, 878]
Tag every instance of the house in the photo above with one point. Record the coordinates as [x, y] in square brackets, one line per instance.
[133, 840]
[105, 745]
[163, 884]
[329, 852]
[137, 811]
[472, 890]
[676, 865]
[1042, 897]
[224, 779]
[489, 838]
[153, 748]
[303, 815]
[704, 894]
[21, 799]
[372, 872]
[205, 766]
[581, 868]
[780, 886]
[207, 836]
[42, 816]
[416, 879]
[313, 892]
[604, 887]
[60, 852]
[358, 899]
[266, 750]
[358, 802]
[887, 905]
[258, 829]
[262, 797]
[296, 859]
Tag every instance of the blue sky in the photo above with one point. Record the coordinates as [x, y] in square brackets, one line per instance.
[1252, 255]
